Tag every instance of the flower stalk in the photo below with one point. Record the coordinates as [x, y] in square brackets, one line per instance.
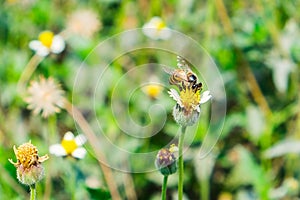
[92, 138]
[28, 71]
[33, 192]
[180, 163]
[164, 188]
[166, 163]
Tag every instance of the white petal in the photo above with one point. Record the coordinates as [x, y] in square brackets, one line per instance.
[165, 34]
[39, 48]
[79, 153]
[205, 96]
[34, 45]
[58, 150]
[69, 136]
[155, 20]
[58, 44]
[198, 109]
[80, 139]
[174, 94]
[150, 32]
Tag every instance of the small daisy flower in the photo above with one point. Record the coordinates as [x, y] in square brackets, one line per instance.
[153, 89]
[156, 29]
[47, 43]
[29, 168]
[70, 146]
[45, 96]
[84, 23]
[187, 110]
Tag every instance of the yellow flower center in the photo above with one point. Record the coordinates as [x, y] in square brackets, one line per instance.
[190, 98]
[153, 90]
[46, 38]
[69, 145]
[27, 155]
[160, 25]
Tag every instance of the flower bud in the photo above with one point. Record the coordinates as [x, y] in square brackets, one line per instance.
[166, 162]
[29, 168]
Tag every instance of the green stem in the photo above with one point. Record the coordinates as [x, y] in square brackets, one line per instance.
[180, 163]
[205, 189]
[32, 192]
[164, 188]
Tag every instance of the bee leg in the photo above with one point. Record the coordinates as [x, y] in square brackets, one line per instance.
[197, 86]
[183, 85]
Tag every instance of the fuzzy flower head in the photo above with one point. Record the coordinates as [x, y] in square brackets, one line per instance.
[29, 168]
[156, 29]
[47, 43]
[45, 96]
[187, 110]
[166, 160]
[70, 146]
[84, 23]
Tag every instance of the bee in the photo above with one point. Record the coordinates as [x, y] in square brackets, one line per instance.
[183, 77]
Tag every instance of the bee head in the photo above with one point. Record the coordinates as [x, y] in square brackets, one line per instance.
[192, 78]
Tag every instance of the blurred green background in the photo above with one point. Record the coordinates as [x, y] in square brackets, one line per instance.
[256, 46]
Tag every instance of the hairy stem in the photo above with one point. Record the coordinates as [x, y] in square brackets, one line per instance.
[180, 163]
[32, 192]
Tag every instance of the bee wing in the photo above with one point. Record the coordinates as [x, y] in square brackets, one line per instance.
[182, 64]
[169, 70]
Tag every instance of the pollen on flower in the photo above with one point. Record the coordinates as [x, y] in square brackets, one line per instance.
[190, 99]
[46, 38]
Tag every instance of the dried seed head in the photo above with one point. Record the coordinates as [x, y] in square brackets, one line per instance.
[29, 168]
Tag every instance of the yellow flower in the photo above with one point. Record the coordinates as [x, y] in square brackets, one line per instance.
[84, 23]
[46, 96]
[156, 29]
[187, 110]
[29, 168]
[70, 146]
[47, 43]
[153, 90]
